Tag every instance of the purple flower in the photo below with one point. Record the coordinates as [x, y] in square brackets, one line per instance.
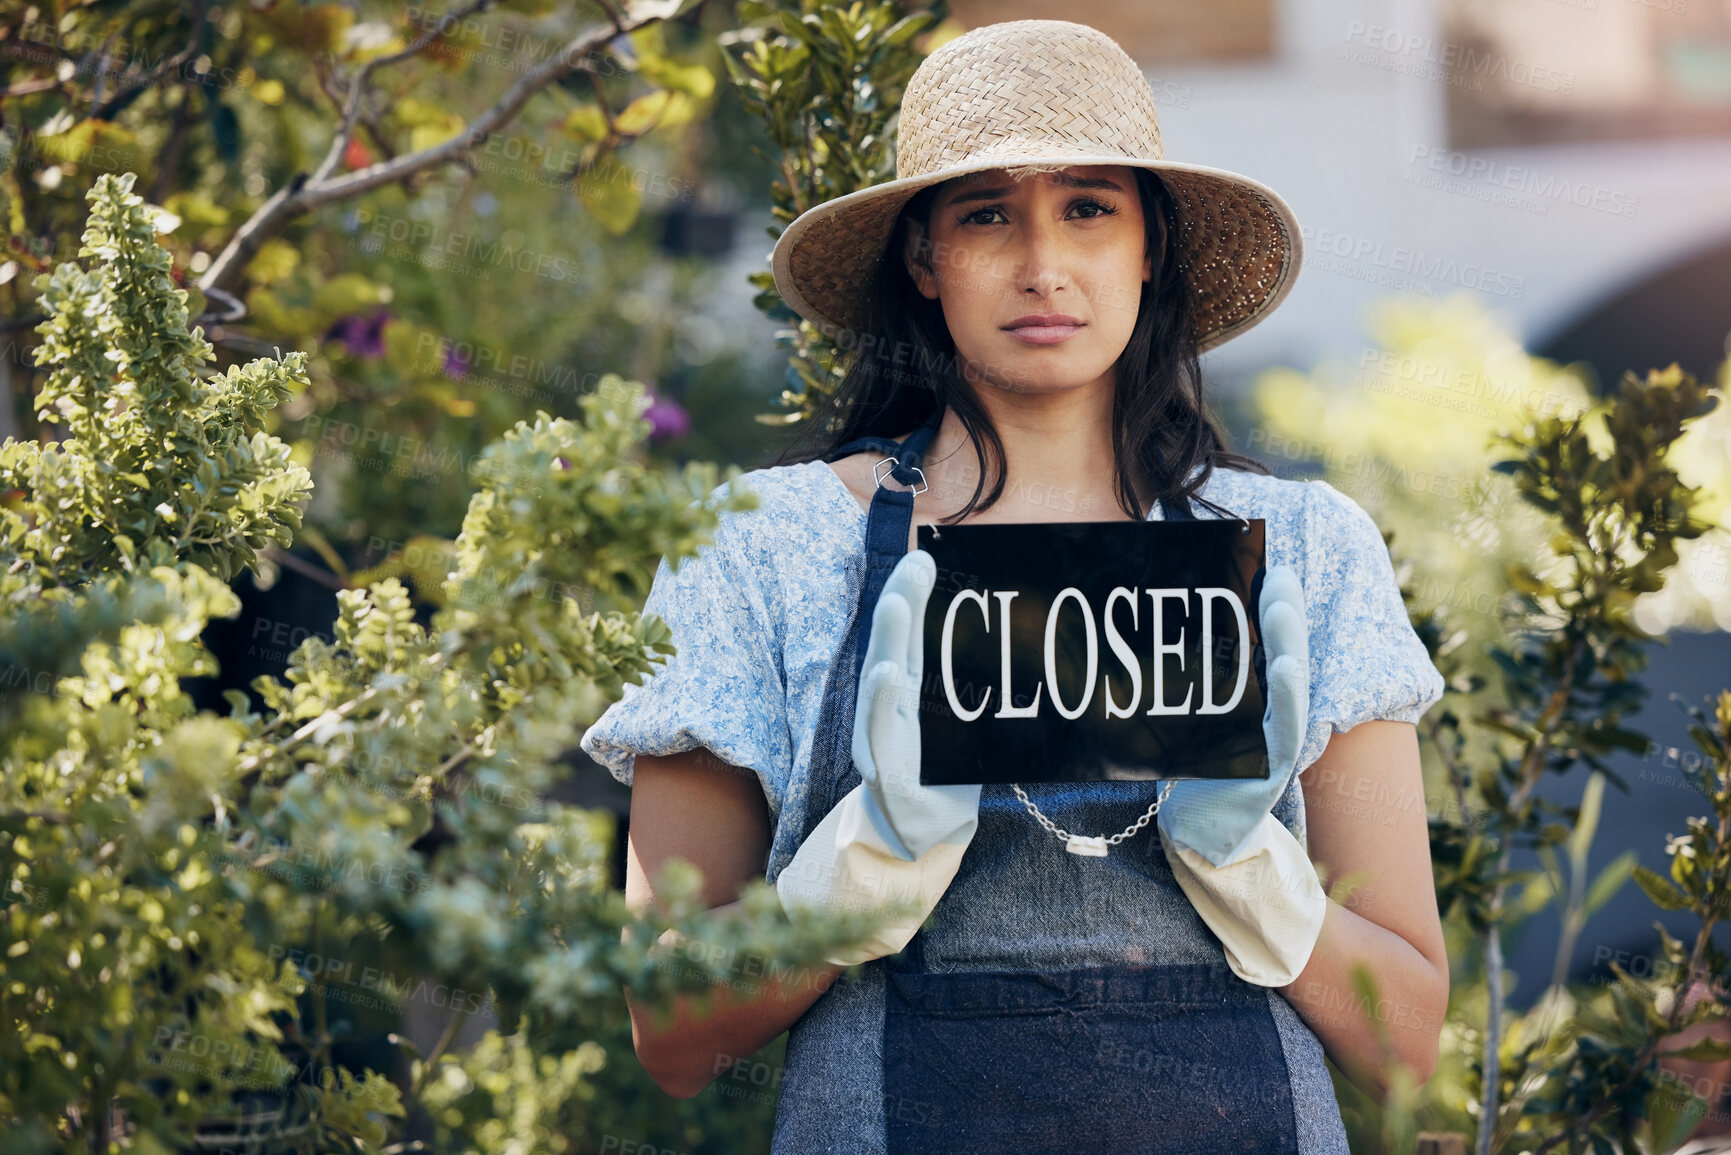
[456, 362]
[361, 336]
[667, 418]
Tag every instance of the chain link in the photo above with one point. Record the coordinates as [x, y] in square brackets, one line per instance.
[1064, 835]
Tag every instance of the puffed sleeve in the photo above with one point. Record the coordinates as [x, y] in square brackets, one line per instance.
[724, 688]
[1366, 660]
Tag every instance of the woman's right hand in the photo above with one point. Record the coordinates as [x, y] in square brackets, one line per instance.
[886, 728]
[890, 841]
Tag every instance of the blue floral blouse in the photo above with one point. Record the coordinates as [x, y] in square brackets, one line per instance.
[759, 615]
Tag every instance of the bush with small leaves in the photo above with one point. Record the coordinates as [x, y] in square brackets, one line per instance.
[167, 873]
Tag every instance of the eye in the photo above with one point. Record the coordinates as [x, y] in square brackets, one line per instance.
[1101, 208]
[973, 218]
[1086, 203]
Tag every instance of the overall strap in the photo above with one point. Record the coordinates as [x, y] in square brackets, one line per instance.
[1177, 511]
[862, 444]
[892, 513]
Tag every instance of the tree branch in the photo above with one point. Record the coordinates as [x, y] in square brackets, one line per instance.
[437, 1053]
[358, 86]
[1532, 767]
[253, 762]
[308, 193]
[105, 110]
[305, 568]
[1648, 1053]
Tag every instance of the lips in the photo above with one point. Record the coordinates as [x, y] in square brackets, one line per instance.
[1044, 328]
[1044, 321]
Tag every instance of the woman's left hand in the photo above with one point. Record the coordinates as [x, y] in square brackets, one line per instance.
[1266, 906]
[1215, 817]
[1244, 872]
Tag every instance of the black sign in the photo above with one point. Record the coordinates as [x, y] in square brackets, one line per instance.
[1085, 651]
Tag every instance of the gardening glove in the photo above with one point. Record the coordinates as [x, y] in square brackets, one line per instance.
[1266, 906]
[890, 839]
[1244, 872]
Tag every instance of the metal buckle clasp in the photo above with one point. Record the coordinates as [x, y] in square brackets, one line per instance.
[919, 486]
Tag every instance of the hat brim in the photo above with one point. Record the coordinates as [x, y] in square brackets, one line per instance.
[1239, 244]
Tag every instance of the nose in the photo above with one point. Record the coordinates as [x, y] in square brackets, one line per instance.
[1042, 270]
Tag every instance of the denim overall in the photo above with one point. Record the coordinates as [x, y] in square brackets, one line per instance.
[1052, 1002]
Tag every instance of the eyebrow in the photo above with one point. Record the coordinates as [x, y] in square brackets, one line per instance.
[1065, 179]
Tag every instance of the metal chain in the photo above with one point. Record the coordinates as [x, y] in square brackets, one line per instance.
[1064, 835]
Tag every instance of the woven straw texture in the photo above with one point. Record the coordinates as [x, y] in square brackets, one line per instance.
[1042, 92]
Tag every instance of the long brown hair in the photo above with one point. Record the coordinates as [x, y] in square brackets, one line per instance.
[1160, 422]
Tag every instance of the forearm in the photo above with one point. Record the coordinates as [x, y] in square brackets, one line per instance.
[685, 1053]
[1411, 1000]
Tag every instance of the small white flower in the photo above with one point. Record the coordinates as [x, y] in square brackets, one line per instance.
[1680, 843]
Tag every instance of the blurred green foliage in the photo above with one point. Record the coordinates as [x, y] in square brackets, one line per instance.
[424, 318]
[1548, 526]
[169, 875]
[437, 309]
[826, 81]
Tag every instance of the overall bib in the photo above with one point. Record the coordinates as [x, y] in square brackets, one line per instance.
[1080, 1048]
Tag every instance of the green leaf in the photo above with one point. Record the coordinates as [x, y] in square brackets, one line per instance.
[1581, 837]
[1609, 881]
[1708, 1050]
[586, 122]
[642, 114]
[1522, 578]
[1660, 889]
[275, 260]
[1673, 1116]
[607, 191]
[694, 80]
[348, 293]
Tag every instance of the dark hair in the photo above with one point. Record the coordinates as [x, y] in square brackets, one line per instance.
[1160, 422]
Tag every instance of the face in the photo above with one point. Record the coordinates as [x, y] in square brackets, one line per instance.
[1040, 278]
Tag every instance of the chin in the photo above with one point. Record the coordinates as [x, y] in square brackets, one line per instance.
[1046, 385]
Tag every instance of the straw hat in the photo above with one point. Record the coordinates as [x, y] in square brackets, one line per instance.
[1049, 93]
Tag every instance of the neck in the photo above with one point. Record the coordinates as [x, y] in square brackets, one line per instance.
[1058, 461]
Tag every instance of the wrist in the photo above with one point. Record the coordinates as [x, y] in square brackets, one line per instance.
[873, 813]
[844, 866]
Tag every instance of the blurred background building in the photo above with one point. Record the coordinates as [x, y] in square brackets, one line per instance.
[1558, 156]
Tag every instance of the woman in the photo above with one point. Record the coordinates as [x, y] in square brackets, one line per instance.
[1024, 305]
